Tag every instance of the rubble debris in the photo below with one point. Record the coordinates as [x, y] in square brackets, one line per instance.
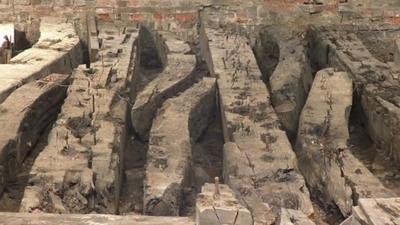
[293, 217]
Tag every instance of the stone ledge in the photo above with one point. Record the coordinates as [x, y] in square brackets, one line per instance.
[375, 211]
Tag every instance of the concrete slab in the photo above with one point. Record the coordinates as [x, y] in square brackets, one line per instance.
[397, 52]
[168, 158]
[324, 157]
[93, 42]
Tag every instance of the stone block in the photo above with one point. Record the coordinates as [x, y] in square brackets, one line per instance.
[376, 83]
[57, 51]
[376, 211]
[223, 208]
[76, 219]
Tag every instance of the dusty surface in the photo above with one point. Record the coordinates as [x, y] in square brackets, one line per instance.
[293, 217]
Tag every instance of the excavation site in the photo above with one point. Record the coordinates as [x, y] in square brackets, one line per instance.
[200, 112]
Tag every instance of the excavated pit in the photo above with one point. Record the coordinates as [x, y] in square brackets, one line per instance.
[300, 124]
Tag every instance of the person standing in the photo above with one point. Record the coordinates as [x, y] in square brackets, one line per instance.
[5, 50]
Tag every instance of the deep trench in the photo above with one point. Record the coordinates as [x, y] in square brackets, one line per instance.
[207, 158]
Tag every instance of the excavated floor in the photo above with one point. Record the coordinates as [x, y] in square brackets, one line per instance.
[159, 118]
